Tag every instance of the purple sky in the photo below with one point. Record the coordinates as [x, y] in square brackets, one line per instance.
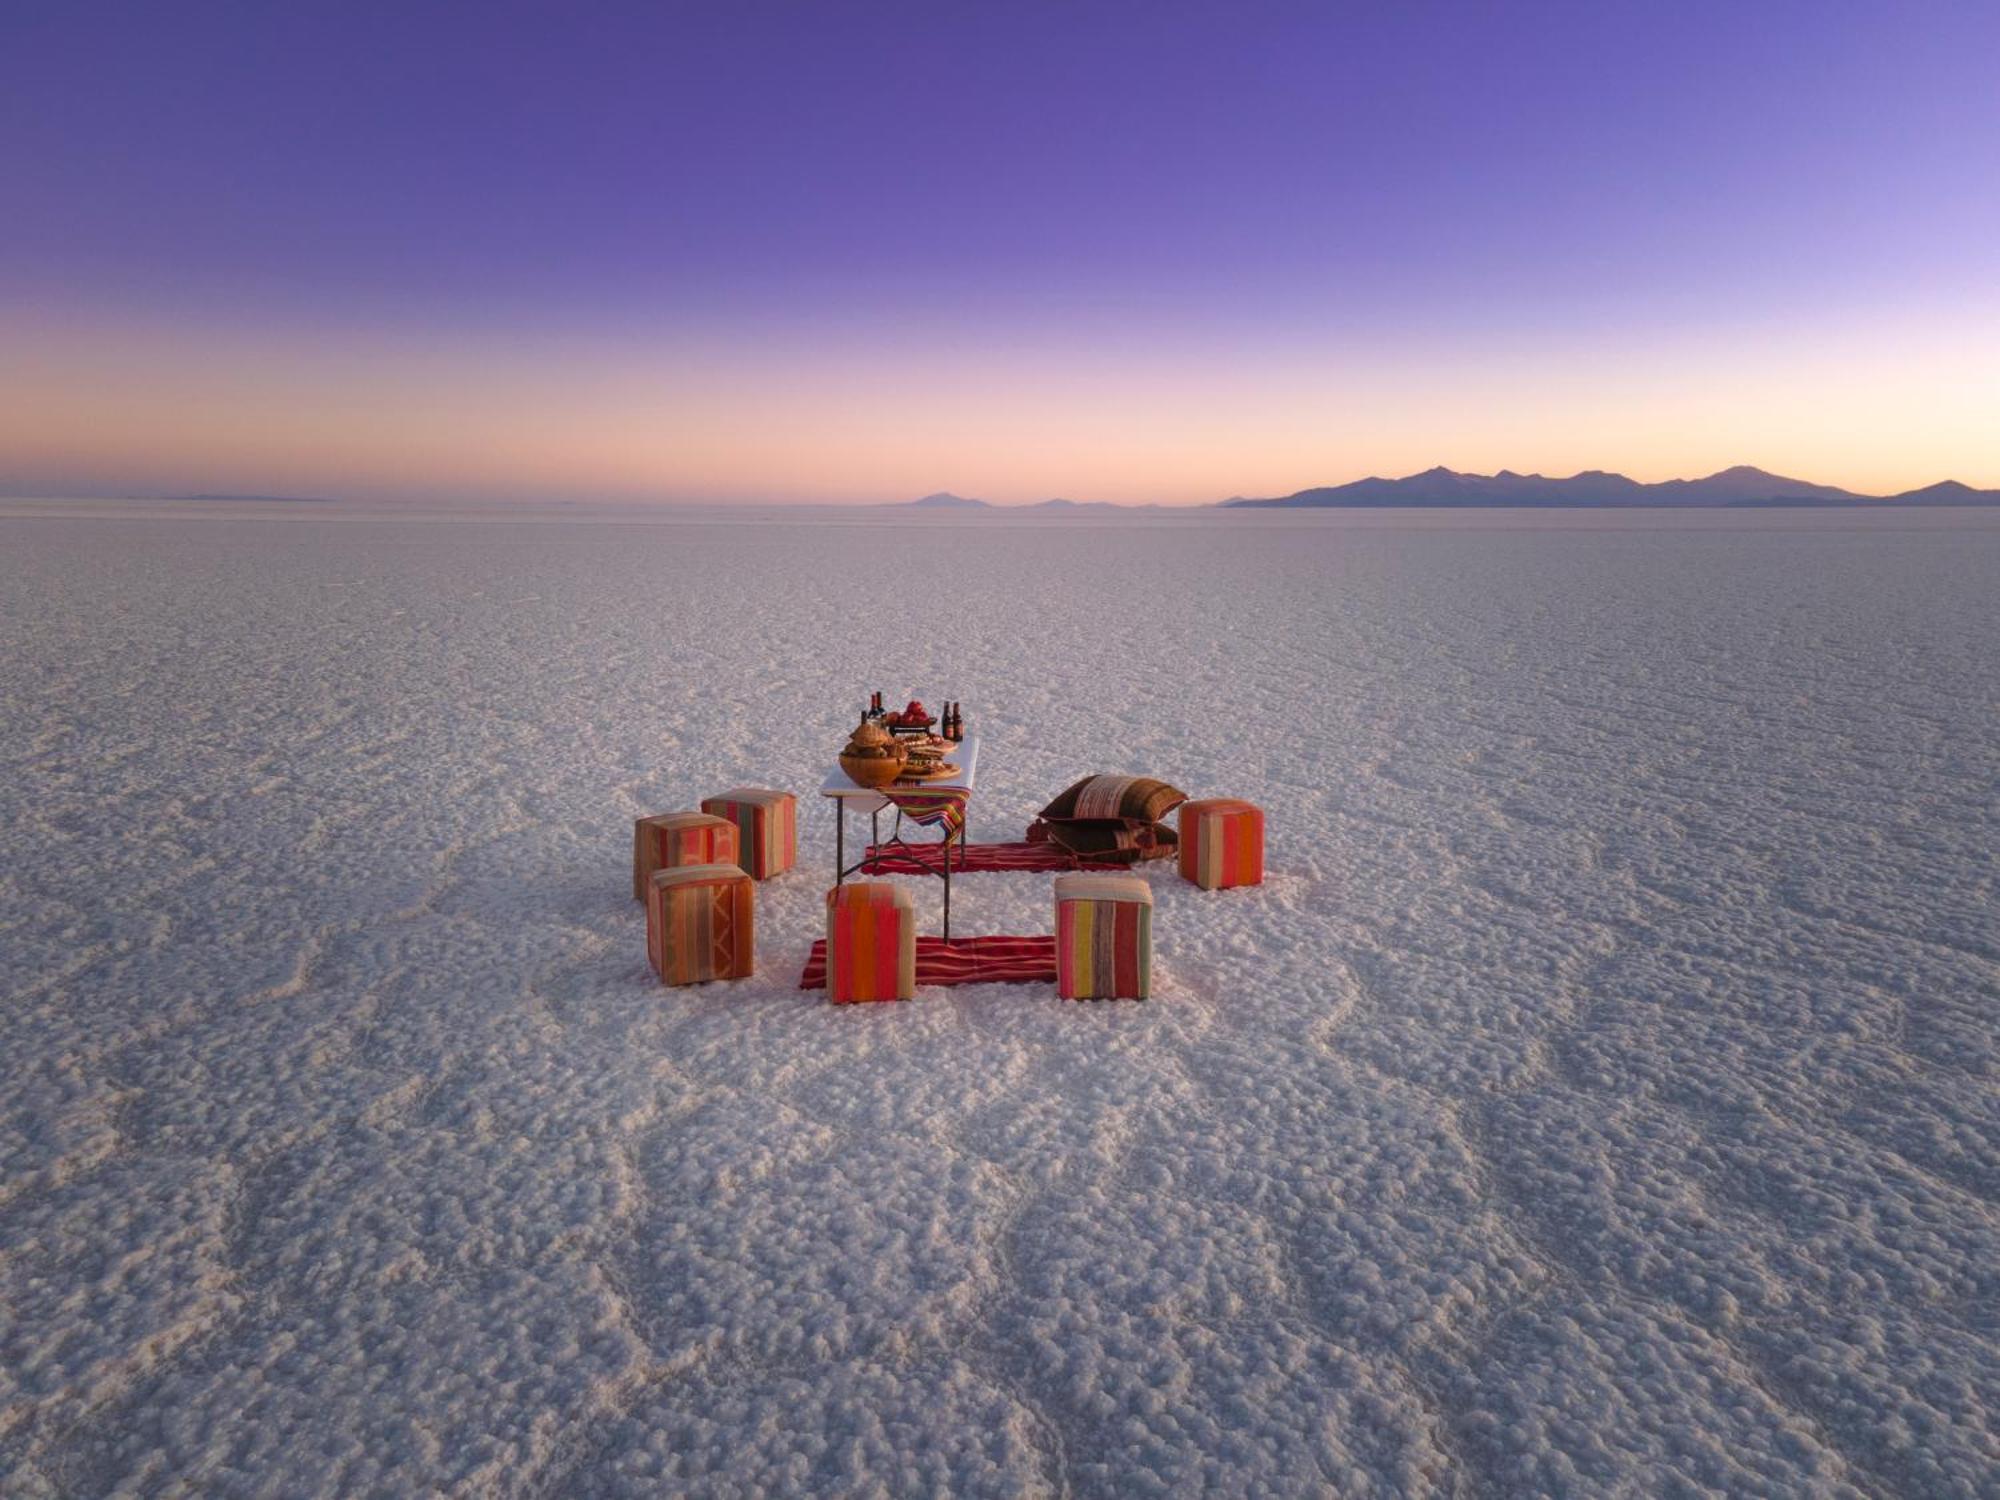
[1348, 235]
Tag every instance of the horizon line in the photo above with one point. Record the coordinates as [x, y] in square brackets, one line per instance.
[945, 499]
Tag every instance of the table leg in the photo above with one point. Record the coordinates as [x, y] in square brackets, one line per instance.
[840, 841]
[947, 887]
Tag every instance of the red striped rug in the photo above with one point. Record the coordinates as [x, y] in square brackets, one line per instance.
[923, 859]
[977, 960]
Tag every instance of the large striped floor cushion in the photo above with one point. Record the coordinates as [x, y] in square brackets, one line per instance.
[767, 827]
[871, 942]
[1104, 937]
[666, 841]
[1112, 840]
[1222, 843]
[701, 923]
[1138, 799]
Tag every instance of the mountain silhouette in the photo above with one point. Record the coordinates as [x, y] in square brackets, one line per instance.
[1742, 485]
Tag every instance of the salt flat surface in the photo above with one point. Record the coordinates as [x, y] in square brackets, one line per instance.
[1599, 1099]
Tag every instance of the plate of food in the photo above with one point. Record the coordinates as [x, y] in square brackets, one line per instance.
[935, 772]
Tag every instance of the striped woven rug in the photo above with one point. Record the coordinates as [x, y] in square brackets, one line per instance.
[977, 960]
[922, 859]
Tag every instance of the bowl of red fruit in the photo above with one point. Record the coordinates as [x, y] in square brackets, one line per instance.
[914, 719]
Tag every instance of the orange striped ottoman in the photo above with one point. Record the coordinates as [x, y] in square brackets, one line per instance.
[1222, 843]
[871, 942]
[668, 840]
[1104, 937]
[701, 923]
[767, 827]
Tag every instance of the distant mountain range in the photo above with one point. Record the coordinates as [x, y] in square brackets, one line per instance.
[260, 499]
[945, 500]
[1741, 486]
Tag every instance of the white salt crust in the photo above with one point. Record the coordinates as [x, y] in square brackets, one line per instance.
[1601, 1098]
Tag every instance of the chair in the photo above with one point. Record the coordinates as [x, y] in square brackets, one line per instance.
[767, 827]
[1104, 937]
[668, 840]
[1222, 843]
[701, 923]
[871, 942]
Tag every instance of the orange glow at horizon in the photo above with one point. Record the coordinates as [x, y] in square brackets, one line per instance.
[1877, 405]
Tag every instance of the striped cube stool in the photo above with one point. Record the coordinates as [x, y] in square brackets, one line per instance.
[1222, 843]
[1104, 937]
[666, 841]
[701, 923]
[871, 942]
[767, 828]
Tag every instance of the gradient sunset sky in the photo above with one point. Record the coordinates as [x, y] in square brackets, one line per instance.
[863, 251]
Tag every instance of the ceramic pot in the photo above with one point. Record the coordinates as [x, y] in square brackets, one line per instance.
[871, 771]
[873, 756]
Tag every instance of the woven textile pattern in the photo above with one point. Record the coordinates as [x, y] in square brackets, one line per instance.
[1104, 939]
[871, 942]
[767, 828]
[701, 923]
[666, 841]
[1222, 843]
[918, 859]
[1123, 840]
[942, 808]
[1103, 796]
[1139, 798]
[974, 960]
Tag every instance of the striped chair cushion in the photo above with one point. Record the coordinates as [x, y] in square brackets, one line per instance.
[1222, 843]
[1137, 798]
[1104, 937]
[701, 923]
[668, 840]
[871, 942]
[767, 827]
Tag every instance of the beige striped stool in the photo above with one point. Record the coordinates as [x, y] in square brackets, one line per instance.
[871, 942]
[701, 923]
[666, 841]
[767, 827]
[1222, 843]
[1104, 937]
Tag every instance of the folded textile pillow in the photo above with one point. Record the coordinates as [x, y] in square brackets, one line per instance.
[1132, 799]
[1111, 818]
[1109, 838]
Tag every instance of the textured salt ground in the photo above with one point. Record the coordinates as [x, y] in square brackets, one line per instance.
[1600, 1098]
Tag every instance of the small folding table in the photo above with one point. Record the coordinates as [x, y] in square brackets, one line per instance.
[940, 803]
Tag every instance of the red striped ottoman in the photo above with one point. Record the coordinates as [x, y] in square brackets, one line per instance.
[1222, 843]
[666, 841]
[871, 942]
[701, 923]
[1104, 937]
[767, 827]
